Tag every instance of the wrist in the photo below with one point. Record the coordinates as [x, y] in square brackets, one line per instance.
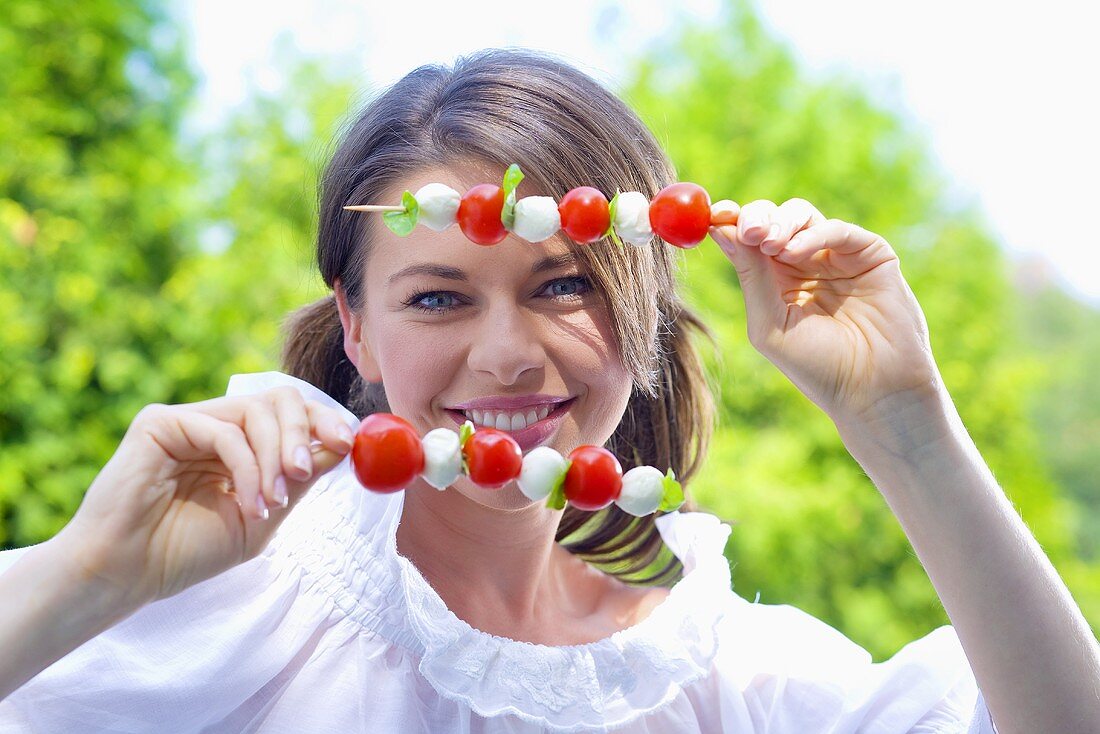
[903, 425]
[50, 609]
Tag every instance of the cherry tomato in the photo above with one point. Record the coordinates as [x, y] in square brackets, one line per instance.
[585, 215]
[493, 458]
[479, 212]
[387, 454]
[680, 214]
[594, 480]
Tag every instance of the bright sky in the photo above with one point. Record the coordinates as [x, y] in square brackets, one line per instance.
[1007, 93]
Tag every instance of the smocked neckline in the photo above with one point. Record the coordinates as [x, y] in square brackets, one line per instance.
[602, 683]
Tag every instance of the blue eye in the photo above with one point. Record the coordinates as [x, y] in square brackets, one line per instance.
[575, 288]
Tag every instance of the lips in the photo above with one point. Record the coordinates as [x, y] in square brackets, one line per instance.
[533, 435]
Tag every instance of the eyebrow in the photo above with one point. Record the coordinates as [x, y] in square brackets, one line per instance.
[550, 262]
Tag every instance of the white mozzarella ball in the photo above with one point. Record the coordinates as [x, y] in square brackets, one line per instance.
[632, 218]
[537, 218]
[643, 487]
[438, 205]
[442, 457]
[542, 466]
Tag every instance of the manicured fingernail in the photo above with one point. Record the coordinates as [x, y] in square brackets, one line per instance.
[261, 506]
[280, 490]
[344, 434]
[303, 460]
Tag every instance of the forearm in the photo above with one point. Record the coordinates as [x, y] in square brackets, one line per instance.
[1031, 650]
[46, 611]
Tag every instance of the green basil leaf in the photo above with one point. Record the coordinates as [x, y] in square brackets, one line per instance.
[556, 499]
[512, 177]
[464, 432]
[673, 495]
[611, 224]
[403, 222]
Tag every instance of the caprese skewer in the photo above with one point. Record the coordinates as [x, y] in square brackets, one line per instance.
[680, 213]
[388, 455]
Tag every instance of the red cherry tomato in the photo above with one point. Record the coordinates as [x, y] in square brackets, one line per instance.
[680, 214]
[387, 454]
[493, 458]
[585, 215]
[479, 214]
[594, 480]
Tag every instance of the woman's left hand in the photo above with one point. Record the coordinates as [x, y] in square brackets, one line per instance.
[827, 304]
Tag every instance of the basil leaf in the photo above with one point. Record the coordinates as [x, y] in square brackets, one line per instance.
[673, 496]
[611, 223]
[465, 431]
[402, 223]
[512, 177]
[556, 499]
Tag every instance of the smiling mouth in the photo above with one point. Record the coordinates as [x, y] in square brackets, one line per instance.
[556, 412]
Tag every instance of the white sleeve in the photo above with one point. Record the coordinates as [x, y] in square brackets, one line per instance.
[788, 672]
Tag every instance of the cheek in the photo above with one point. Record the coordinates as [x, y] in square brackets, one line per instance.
[417, 364]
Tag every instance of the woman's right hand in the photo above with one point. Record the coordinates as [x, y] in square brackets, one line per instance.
[176, 504]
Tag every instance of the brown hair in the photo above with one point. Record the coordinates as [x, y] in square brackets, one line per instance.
[497, 107]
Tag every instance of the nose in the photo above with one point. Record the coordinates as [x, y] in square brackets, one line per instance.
[506, 345]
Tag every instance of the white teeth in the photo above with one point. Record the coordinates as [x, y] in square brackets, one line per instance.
[508, 421]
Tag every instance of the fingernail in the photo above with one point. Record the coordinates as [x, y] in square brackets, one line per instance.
[280, 490]
[303, 460]
[261, 506]
[344, 434]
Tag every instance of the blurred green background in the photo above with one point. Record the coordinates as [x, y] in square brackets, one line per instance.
[140, 265]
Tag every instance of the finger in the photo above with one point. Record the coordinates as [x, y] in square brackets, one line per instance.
[839, 236]
[295, 430]
[189, 435]
[754, 221]
[330, 428]
[723, 212]
[764, 305]
[261, 426]
[792, 216]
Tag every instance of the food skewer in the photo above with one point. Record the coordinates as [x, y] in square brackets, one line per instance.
[680, 213]
[388, 455]
[376, 208]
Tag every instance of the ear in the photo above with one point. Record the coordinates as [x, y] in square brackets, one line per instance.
[354, 344]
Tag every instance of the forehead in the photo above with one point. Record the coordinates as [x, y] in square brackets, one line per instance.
[512, 257]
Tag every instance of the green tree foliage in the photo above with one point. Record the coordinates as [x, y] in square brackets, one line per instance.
[137, 270]
[94, 202]
[736, 114]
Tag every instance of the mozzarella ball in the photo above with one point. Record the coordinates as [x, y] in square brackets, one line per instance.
[643, 487]
[537, 218]
[632, 218]
[438, 205]
[542, 467]
[442, 457]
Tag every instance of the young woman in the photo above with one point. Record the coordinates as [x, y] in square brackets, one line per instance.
[174, 602]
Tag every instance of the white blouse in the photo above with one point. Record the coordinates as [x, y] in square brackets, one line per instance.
[329, 629]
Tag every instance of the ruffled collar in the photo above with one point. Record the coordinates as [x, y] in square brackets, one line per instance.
[346, 539]
[595, 685]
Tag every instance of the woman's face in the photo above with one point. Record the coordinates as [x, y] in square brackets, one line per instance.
[506, 322]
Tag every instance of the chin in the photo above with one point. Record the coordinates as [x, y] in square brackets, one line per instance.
[508, 497]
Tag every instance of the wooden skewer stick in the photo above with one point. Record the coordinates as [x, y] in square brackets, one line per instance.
[375, 208]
